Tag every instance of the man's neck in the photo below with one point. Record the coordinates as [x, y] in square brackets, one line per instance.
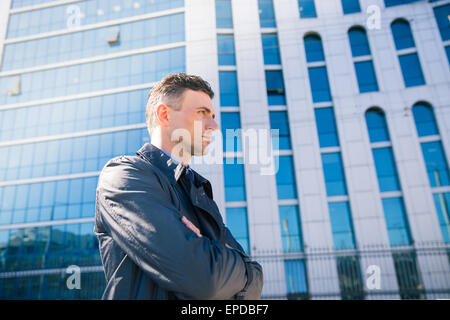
[169, 147]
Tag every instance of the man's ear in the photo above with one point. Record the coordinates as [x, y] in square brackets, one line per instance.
[163, 114]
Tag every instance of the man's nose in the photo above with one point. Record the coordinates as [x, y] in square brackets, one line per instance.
[212, 125]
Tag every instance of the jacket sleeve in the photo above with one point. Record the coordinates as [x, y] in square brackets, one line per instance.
[253, 287]
[136, 211]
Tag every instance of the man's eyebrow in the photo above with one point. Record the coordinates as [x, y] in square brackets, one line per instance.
[207, 110]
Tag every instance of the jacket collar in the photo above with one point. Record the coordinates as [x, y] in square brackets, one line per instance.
[169, 166]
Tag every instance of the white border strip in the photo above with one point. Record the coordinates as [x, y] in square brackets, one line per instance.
[50, 178]
[73, 135]
[108, 23]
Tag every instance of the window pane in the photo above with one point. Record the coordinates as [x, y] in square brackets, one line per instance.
[341, 225]
[238, 225]
[307, 8]
[425, 120]
[225, 48]
[386, 169]
[314, 49]
[234, 181]
[279, 120]
[291, 234]
[350, 6]
[285, 177]
[270, 48]
[376, 125]
[275, 88]
[319, 84]
[334, 174]
[224, 17]
[228, 88]
[350, 280]
[441, 13]
[411, 70]
[326, 127]
[232, 137]
[296, 279]
[403, 37]
[266, 14]
[442, 203]
[408, 276]
[396, 222]
[358, 42]
[436, 163]
[365, 73]
[390, 3]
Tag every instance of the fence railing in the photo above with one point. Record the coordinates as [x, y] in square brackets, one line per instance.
[420, 271]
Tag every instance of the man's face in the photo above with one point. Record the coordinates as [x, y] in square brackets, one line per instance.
[194, 122]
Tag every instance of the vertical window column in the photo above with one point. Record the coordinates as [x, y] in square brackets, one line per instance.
[234, 173]
[407, 53]
[435, 162]
[362, 59]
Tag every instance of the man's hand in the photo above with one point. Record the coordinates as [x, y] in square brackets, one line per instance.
[191, 226]
[196, 230]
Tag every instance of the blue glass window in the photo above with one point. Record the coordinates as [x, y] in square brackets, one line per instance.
[365, 73]
[234, 181]
[376, 125]
[225, 48]
[320, 86]
[224, 15]
[386, 169]
[350, 280]
[350, 6]
[266, 14]
[238, 224]
[447, 51]
[93, 42]
[441, 14]
[285, 177]
[229, 95]
[270, 48]
[334, 174]
[390, 3]
[314, 48]
[326, 127]
[296, 279]
[425, 120]
[411, 70]
[307, 8]
[275, 88]
[291, 233]
[232, 140]
[396, 222]
[358, 42]
[442, 203]
[341, 225]
[279, 120]
[403, 37]
[436, 164]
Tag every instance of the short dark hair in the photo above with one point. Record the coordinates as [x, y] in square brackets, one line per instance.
[170, 91]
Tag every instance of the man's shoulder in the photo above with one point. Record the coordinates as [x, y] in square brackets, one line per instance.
[123, 168]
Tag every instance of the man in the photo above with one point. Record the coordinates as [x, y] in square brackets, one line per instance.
[160, 233]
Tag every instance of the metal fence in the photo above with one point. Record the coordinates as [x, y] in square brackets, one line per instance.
[421, 271]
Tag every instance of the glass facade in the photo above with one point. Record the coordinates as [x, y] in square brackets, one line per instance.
[51, 151]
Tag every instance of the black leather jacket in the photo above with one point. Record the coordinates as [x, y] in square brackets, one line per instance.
[148, 252]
